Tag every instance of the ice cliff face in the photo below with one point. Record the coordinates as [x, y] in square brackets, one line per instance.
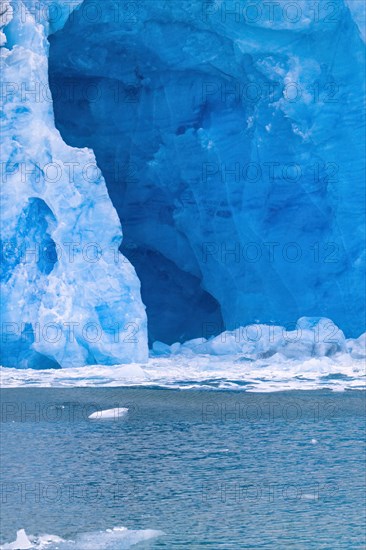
[231, 136]
[68, 296]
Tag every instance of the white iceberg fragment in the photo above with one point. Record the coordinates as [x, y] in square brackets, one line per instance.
[22, 542]
[109, 414]
[118, 537]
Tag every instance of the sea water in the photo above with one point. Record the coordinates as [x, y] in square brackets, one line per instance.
[182, 469]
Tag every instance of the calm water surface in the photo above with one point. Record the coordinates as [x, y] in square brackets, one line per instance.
[212, 469]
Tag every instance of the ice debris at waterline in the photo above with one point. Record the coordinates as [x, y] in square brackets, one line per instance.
[57, 308]
[109, 414]
[315, 354]
[308, 337]
[118, 538]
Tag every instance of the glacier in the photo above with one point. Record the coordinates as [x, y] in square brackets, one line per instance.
[226, 139]
[69, 298]
[231, 137]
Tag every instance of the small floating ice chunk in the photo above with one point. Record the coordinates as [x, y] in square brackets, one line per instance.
[22, 542]
[314, 441]
[109, 414]
[309, 496]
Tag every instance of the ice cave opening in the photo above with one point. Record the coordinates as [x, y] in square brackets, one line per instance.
[124, 136]
[239, 202]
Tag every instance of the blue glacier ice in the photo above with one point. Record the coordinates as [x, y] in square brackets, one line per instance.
[231, 137]
[65, 301]
[226, 138]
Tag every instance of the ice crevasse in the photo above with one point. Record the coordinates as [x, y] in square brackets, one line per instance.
[57, 308]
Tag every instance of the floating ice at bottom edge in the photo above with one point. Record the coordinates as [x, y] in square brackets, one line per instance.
[118, 538]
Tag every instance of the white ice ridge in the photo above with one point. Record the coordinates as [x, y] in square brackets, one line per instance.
[53, 197]
[109, 414]
[308, 337]
[118, 538]
[314, 355]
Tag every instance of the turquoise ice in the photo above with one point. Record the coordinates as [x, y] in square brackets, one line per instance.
[231, 136]
[228, 145]
[69, 298]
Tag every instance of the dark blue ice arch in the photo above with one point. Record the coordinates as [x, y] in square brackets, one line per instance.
[232, 148]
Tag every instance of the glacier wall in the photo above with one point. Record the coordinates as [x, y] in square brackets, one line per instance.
[231, 138]
[69, 298]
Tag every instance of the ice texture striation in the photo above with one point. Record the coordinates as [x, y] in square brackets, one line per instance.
[58, 308]
[231, 137]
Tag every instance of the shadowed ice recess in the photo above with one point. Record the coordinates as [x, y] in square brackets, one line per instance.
[230, 152]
